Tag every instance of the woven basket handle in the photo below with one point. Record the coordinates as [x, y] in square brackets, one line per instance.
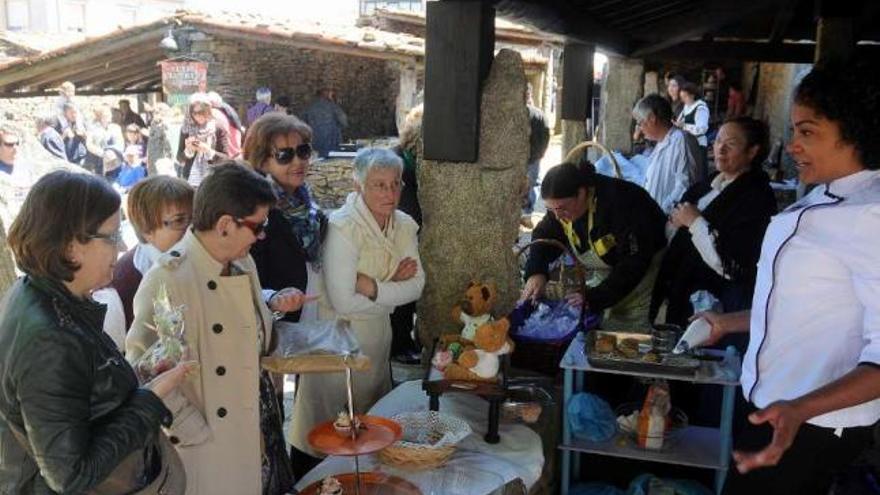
[579, 273]
[580, 149]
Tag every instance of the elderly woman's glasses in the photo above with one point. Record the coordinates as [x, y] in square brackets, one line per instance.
[177, 222]
[114, 238]
[256, 227]
[285, 155]
[382, 187]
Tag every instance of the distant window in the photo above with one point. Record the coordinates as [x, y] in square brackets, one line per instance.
[367, 7]
[17, 15]
[75, 16]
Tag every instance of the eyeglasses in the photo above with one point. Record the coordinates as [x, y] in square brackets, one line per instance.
[114, 239]
[382, 187]
[257, 228]
[13, 144]
[285, 155]
[178, 222]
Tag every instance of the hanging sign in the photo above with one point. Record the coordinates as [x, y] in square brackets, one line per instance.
[181, 78]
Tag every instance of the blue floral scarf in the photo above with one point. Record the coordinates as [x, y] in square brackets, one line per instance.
[306, 220]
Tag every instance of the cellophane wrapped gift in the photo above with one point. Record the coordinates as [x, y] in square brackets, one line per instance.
[170, 348]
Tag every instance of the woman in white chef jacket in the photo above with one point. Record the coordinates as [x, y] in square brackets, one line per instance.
[811, 374]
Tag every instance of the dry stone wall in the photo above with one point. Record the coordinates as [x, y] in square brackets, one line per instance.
[366, 88]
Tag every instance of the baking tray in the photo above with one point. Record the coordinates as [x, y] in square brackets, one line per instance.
[669, 364]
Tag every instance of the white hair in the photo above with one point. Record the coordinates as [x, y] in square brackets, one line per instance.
[374, 158]
[264, 95]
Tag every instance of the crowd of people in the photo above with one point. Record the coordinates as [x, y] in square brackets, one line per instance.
[235, 238]
[797, 291]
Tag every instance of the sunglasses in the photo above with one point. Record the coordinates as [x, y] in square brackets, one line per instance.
[114, 239]
[285, 155]
[257, 228]
[13, 144]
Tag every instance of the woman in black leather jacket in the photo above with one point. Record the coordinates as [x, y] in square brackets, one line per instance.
[71, 409]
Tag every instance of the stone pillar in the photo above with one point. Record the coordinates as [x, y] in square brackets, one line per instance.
[573, 133]
[621, 90]
[471, 210]
[407, 94]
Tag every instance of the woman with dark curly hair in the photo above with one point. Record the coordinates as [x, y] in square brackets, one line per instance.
[811, 374]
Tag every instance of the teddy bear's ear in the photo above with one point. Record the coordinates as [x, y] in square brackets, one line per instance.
[471, 284]
[486, 293]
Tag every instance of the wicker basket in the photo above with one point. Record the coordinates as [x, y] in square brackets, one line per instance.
[544, 356]
[429, 439]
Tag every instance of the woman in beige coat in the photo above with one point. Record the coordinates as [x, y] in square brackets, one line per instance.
[371, 265]
[227, 423]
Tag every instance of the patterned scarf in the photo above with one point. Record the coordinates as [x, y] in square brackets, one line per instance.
[305, 218]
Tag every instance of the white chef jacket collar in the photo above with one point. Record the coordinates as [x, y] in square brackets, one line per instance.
[845, 185]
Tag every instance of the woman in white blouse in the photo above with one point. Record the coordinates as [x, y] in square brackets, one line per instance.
[811, 375]
[371, 265]
[717, 228]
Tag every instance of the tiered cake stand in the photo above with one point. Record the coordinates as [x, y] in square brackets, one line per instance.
[376, 434]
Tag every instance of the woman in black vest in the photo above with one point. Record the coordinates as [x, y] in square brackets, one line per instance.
[720, 224]
[694, 118]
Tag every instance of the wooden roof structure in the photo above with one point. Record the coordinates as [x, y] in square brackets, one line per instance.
[744, 30]
[125, 61]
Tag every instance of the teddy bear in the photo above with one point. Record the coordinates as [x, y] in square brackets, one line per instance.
[473, 310]
[480, 362]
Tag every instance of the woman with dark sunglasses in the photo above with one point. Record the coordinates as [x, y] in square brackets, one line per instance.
[278, 146]
[227, 425]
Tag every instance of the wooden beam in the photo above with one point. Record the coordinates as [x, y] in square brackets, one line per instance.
[55, 61]
[835, 40]
[577, 80]
[784, 14]
[87, 74]
[571, 24]
[745, 51]
[124, 81]
[106, 79]
[87, 92]
[713, 14]
[459, 47]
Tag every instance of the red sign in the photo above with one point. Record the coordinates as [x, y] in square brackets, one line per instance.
[181, 78]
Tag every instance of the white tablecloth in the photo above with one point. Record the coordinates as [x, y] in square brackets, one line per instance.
[475, 468]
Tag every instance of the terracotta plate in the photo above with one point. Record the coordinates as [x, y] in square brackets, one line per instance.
[379, 433]
[371, 484]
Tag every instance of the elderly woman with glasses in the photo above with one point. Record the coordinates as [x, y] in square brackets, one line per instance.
[74, 418]
[160, 210]
[278, 146]
[227, 425]
[371, 265]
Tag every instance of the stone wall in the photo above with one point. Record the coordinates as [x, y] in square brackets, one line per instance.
[330, 182]
[366, 88]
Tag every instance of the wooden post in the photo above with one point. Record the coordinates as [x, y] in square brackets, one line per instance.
[577, 92]
[459, 45]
